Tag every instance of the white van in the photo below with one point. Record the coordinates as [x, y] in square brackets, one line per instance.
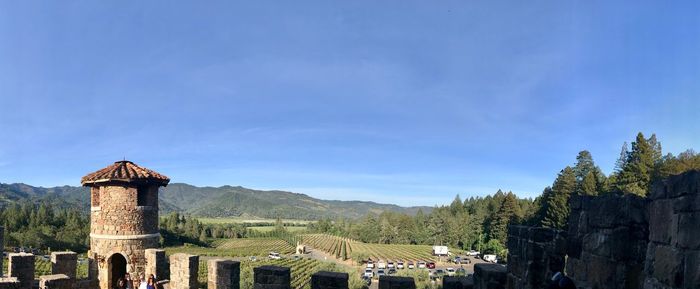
[490, 258]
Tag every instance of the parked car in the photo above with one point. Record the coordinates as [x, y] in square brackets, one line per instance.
[368, 280]
[253, 258]
[411, 265]
[462, 271]
[391, 271]
[274, 256]
[370, 264]
[390, 265]
[451, 271]
[368, 273]
[431, 265]
[473, 253]
[439, 272]
[421, 265]
[381, 265]
[380, 273]
[462, 260]
[399, 265]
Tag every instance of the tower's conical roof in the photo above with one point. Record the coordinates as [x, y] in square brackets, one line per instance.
[124, 171]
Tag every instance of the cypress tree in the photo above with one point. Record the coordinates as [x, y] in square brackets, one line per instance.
[557, 203]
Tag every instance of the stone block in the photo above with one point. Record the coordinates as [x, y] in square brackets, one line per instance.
[64, 263]
[689, 231]
[691, 278]
[184, 269]
[223, 274]
[668, 266]
[661, 220]
[329, 280]
[458, 282]
[271, 277]
[491, 276]
[157, 264]
[541, 235]
[9, 283]
[56, 281]
[396, 282]
[21, 265]
[683, 184]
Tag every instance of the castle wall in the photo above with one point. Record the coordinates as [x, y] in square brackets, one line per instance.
[534, 256]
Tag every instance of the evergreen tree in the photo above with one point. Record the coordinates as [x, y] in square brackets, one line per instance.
[557, 203]
[589, 185]
[621, 162]
[505, 214]
[636, 175]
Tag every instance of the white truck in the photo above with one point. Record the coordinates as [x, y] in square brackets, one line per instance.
[490, 258]
[440, 251]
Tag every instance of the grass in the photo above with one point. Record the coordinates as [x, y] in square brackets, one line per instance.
[271, 228]
[237, 248]
[331, 245]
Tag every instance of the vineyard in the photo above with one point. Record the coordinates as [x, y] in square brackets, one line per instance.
[344, 248]
[301, 271]
[237, 247]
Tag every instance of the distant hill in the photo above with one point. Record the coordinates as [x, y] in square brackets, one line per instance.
[226, 201]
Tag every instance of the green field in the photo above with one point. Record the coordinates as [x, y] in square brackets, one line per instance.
[333, 245]
[272, 228]
[235, 220]
[237, 248]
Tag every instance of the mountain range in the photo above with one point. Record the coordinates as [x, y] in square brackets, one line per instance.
[225, 201]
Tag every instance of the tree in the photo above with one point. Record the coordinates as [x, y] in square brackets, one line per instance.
[556, 213]
[636, 175]
[589, 185]
[621, 162]
[506, 213]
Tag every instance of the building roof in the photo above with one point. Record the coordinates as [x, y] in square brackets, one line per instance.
[124, 171]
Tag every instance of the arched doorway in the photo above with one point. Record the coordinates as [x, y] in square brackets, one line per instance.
[117, 269]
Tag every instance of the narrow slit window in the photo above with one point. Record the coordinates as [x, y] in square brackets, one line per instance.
[95, 196]
[142, 196]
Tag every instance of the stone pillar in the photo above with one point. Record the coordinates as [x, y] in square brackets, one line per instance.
[9, 283]
[224, 274]
[64, 263]
[395, 282]
[22, 266]
[455, 282]
[329, 280]
[57, 281]
[271, 277]
[184, 269]
[157, 264]
[490, 276]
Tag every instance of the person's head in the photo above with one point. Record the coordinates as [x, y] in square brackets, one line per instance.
[127, 276]
[120, 282]
[151, 281]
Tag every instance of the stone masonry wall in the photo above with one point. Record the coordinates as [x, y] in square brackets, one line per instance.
[607, 241]
[21, 266]
[223, 274]
[534, 255]
[673, 252]
[64, 263]
[118, 213]
[184, 269]
[157, 264]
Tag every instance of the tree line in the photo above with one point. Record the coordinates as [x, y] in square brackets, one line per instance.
[43, 226]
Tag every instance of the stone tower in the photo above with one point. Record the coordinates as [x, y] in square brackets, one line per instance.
[123, 219]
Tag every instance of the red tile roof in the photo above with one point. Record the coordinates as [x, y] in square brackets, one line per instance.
[124, 171]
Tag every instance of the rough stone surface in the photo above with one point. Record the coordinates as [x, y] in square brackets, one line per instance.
[2, 242]
[157, 264]
[534, 255]
[455, 282]
[184, 269]
[396, 282]
[9, 283]
[21, 265]
[271, 277]
[64, 263]
[56, 281]
[223, 274]
[490, 276]
[329, 280]
[673, 252]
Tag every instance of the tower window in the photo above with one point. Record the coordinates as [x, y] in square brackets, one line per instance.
[142, 196]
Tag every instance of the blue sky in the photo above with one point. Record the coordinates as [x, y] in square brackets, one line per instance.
[408, 102]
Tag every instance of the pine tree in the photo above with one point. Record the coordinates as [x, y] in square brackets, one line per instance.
[636, 175]
[621, 162]
[505, 214]
[589, 185]
[557, 203]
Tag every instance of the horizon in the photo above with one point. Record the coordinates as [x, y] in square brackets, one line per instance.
[343, 101]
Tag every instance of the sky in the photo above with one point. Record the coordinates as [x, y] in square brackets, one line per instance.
[405, 102]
